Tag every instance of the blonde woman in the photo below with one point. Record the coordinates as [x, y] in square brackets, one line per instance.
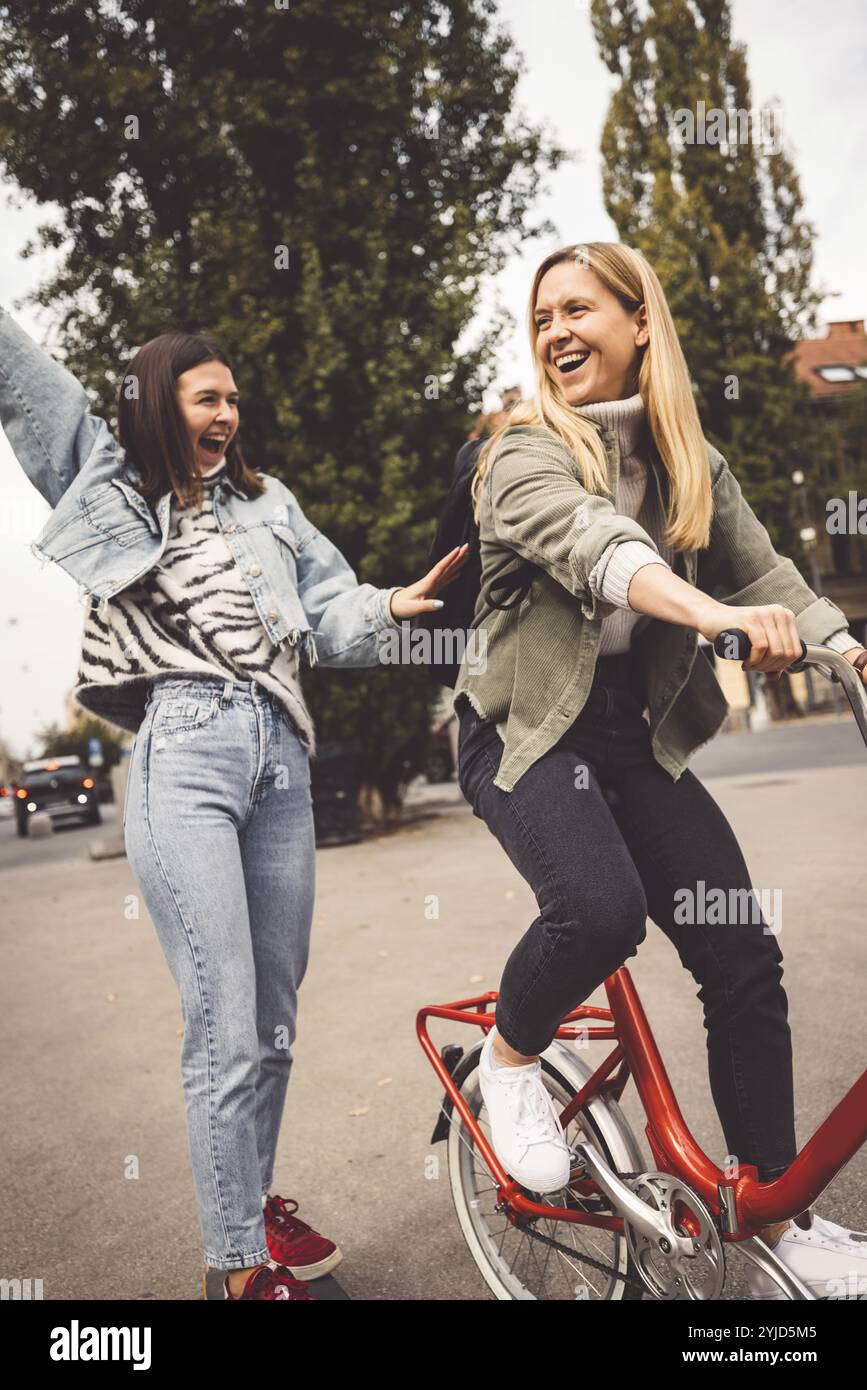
[640, 540]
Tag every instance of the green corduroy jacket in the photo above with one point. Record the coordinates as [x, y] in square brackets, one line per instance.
[539, 658]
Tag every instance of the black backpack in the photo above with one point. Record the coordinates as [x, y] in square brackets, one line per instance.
[456, 526]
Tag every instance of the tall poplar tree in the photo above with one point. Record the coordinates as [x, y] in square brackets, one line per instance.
[721, 220]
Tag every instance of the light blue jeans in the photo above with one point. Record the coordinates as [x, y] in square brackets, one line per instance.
[218, 824]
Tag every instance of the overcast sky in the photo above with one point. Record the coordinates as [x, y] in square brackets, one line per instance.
[810, 58]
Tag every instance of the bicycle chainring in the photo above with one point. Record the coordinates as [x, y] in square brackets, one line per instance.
[670, 1277]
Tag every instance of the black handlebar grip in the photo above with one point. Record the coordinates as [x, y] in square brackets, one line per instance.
[734, 645]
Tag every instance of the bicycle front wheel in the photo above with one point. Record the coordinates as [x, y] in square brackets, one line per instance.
[519, 1263]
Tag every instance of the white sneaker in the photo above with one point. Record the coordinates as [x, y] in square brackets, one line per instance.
[526, 1135]
[831, 1228]
[829, 1259]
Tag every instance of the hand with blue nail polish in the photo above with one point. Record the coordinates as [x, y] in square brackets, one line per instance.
[417, 598]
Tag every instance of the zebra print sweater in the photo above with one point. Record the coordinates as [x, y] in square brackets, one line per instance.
[193, 614]
[638, 497]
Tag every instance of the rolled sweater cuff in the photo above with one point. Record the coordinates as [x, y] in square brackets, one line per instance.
[610, 577]
[839, 642]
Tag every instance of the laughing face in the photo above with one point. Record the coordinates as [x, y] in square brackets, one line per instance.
[586, 341]
[208, 399]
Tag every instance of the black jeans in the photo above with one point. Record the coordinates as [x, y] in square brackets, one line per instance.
[605, 838]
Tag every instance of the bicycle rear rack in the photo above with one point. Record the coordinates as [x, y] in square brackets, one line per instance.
[477, 1011]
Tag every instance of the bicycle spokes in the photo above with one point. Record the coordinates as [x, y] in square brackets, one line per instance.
[534, 1257]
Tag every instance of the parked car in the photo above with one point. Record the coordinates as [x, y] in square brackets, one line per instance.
[7, 802]
[63, 787]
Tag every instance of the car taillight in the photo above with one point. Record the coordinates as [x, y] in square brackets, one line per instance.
[21, 791]
[87, 781]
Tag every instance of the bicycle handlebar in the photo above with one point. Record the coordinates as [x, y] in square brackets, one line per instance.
[733, 644]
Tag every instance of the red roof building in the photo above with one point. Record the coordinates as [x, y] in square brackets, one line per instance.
[832, 369]
[832, 365]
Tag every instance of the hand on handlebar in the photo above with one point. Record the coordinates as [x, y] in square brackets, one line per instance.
[771, 628]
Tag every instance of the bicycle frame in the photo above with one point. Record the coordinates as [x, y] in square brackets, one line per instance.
[741, 1204]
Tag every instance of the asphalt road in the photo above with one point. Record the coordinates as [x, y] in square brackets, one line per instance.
[829, 741]
[98, 1192]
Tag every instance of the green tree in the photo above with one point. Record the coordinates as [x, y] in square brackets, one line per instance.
[723, 226]
[324, 188]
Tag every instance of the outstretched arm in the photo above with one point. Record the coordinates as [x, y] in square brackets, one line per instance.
[771, 627]
[45, 414]
[745, 573]
[347, 617]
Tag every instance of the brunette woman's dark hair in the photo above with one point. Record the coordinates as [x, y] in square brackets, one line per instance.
[151, 426]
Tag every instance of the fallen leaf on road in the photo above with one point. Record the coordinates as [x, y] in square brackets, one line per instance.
[360, 1110]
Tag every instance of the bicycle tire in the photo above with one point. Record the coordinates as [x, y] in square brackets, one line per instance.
[617, 1147]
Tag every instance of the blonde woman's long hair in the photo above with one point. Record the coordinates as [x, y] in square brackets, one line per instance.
[663, 383]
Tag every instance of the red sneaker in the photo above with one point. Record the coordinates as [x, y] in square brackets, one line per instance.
[271, 1281]
[296, 1245]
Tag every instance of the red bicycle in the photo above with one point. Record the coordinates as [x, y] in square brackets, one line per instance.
[618, 1231]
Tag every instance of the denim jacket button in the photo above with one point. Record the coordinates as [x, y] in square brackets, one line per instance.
[232, 526]
[273, 617]
[255, 571]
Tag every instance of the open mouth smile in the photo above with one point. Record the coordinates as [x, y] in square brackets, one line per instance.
[214, 443]
[570, 362]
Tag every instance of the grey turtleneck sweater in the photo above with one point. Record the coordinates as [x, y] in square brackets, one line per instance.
[638, 498]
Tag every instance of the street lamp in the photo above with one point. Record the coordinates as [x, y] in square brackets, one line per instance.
[808, 532]
[808, 540]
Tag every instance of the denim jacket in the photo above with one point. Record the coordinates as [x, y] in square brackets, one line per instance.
[106, 536]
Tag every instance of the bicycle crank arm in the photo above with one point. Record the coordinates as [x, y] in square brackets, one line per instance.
[655, 1225]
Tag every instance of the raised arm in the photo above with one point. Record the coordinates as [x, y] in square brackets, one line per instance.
[45, 414]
